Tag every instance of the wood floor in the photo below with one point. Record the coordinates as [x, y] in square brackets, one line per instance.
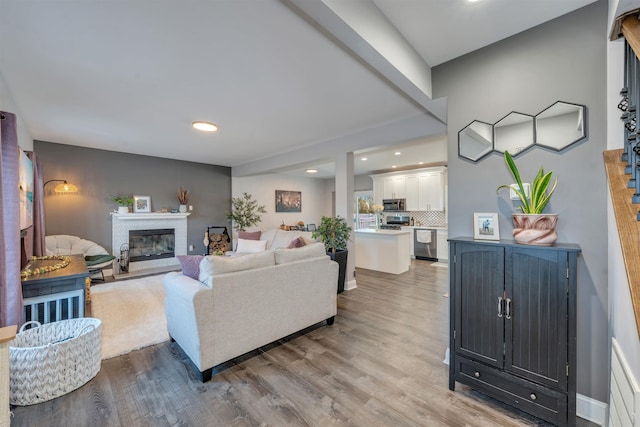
[380, 364]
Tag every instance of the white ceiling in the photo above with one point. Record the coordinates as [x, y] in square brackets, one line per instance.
[132, 75]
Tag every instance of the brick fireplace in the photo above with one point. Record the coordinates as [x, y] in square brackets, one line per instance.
[122, 224]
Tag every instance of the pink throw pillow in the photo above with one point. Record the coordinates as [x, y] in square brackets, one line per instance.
[249, 235]
[297, 243]
[190, 265]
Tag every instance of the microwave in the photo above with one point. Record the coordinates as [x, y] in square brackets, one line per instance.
[394, 205]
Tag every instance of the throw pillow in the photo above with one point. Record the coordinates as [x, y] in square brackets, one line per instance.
[251, 246]
[249, 235]
[190, 265]
[297, 243]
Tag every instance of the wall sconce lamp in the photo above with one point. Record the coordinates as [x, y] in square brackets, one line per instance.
[64, 187]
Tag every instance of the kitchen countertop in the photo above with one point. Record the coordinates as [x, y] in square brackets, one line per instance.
[387, 232]
[434, 227]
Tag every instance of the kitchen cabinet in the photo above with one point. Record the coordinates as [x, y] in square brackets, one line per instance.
[443, 245]
[412, 193]
[411, 251]
[513, 324]
[431, 195]
[394, 187]
[423, 189]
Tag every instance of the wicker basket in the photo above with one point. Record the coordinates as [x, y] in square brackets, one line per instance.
[50, 360]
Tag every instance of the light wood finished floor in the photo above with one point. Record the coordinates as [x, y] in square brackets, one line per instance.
[380, 364]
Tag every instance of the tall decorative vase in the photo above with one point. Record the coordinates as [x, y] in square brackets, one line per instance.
[535, 229]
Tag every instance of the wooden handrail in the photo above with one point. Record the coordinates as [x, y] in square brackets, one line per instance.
[628, 226]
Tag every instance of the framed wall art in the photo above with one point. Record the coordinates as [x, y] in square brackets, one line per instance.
[288, 201]
[141, 204]
[485, 226]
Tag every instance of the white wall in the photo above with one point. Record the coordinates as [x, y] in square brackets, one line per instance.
[316, 197]
[7, 104]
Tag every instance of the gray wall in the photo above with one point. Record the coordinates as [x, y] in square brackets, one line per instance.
[564, 59]
[99, 174]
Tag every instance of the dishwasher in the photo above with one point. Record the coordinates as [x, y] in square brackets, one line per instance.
[425, 244]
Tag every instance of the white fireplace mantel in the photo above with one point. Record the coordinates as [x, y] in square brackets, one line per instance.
[152, 215]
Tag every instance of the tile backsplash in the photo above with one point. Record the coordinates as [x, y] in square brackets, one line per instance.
[432, 218]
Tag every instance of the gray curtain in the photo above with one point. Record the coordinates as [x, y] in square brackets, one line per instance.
[10, 287]
[34, 241]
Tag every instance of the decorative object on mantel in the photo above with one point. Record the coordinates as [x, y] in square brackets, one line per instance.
[123, 203]
[142, 203]
[183, 199]
[335, 234]
[532, 227]
[245, 212]
[556, 127]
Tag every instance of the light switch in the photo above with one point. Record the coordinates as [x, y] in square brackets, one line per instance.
[514, 196]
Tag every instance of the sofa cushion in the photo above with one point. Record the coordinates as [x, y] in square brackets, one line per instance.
[212, 265]
[251, 246]
[297, 243]
[190, 265]
[249, 235]
[283, 238]
[313, 250]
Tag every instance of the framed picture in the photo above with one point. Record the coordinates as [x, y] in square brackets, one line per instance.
[485, 226]
[288, 201]
[142, 203]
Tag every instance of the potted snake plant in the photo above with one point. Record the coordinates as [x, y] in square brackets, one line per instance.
[335, 233]
[531, 226]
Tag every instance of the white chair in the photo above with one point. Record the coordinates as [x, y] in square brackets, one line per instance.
[95, 255]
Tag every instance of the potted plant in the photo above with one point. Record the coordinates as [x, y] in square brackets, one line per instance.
[532, 227]
[183, 199]
[335, 233]
[245, 212]
[123, 203]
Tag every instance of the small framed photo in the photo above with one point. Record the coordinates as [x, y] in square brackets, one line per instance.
[485, 226]
[142, 203]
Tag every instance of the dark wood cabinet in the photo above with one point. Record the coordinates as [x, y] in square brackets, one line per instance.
[513, 324]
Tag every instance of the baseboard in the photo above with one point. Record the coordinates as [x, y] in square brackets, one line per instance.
[350, 284]
[591, 409]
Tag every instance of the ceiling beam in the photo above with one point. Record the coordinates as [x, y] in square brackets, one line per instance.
[364, 30]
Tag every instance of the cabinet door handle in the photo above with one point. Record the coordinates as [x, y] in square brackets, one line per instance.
[533, 396]
[477, 374]
[508, 311]
[500, 303]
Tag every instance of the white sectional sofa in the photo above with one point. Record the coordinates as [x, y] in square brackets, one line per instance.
[241, 303]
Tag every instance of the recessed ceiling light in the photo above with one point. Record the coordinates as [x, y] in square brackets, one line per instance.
[312, 171]
[205, 126]
[397, 153]
[473, 1]
[421, 163]
[364, 159]
[394, 166]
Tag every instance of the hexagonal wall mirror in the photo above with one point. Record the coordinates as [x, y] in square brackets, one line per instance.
[513, 133]
[475, 141]
[560, 125]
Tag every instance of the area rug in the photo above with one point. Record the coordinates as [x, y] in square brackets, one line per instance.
[132, 314]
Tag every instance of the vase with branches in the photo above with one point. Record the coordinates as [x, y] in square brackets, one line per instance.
[183, 198]
[245, 212]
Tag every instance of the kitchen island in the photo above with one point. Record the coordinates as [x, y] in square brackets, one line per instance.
[387, 251]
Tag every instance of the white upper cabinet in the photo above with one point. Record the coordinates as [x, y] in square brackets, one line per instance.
[422, 189]
[431, 196]
[394, 187]
[412, 194]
